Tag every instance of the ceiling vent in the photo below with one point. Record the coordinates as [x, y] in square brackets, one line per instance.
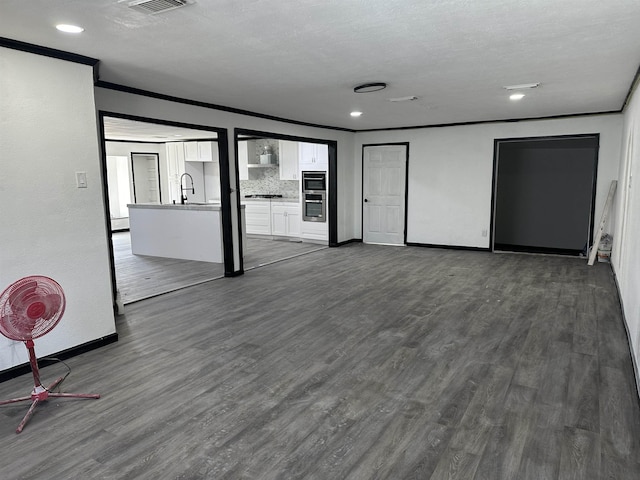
[156, 6]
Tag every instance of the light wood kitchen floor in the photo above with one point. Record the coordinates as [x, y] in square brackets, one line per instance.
[142, 276]
[358, 362]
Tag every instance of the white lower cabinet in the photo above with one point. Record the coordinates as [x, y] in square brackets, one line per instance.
[258, 218]
[285, 219]
[315, 231]
[273, 218]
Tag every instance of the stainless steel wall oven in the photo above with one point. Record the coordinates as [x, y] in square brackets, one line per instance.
[314, 207]
[314, 196]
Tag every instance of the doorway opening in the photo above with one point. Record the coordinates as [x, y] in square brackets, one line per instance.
[271, 190]
[544, 194]
[143, 167]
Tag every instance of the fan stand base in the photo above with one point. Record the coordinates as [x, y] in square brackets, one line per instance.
[40, 394]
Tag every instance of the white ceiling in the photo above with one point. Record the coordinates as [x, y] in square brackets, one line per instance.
[300, 59]
[130, 130]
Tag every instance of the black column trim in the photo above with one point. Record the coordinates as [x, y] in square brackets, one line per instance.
[333, 193]
[238, 205]
[225, 204]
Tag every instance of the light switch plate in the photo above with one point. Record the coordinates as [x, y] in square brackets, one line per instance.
[81, 179]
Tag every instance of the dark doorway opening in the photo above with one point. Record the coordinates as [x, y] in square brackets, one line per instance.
[544, 193]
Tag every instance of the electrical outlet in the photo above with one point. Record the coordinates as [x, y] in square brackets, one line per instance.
[81, 179]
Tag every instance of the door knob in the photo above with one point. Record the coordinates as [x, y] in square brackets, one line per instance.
[366, 200]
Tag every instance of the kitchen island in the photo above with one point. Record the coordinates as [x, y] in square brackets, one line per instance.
[188, 232]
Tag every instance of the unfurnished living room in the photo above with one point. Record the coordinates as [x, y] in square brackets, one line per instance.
[319, 240]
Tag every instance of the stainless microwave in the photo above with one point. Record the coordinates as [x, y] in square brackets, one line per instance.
[314, 182]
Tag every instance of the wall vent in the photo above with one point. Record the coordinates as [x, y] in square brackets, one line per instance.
[156, 6]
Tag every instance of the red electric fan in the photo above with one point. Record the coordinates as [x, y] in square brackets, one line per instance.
[29, 308]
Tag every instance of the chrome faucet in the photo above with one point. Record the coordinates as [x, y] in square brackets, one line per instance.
[183, 197]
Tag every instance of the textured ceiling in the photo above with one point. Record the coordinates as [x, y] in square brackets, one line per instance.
[300, 59]
[129, 130]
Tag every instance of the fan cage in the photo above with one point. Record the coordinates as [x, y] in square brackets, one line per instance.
[31, 307]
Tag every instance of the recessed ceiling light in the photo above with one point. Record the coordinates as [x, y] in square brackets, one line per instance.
[370, 87]
[356, 114]
[516, 96]
[69, 28]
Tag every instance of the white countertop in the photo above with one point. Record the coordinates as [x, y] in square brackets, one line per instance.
[272, 200]
[178, 206]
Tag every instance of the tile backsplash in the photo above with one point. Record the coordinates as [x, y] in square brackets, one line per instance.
[257, 148]
[267, 180]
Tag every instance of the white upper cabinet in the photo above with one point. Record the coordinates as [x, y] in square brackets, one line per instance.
[200, 151]
[208, 151]
[288, 160]
[313, 156]
[243, 160]
[190, 151]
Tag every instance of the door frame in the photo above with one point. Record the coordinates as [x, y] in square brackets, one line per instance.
[332, 180]
[494, 182]
[133, 174]
[225, 189]
[406, 186]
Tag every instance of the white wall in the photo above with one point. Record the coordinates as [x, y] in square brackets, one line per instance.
[48, 131]
[125, 103]
[626, 248]
[126, 148]
[451, 168]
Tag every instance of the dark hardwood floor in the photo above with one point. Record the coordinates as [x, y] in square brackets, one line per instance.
[358, 362]
[142, 276]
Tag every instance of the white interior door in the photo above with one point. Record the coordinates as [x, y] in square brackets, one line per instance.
[146, 179]
[383, 194]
